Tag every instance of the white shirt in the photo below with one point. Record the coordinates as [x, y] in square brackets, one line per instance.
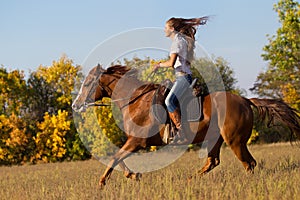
[180, 47]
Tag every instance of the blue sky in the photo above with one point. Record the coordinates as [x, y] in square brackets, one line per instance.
[34, 33]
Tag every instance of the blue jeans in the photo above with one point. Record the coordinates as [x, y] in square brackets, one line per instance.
[179, 88]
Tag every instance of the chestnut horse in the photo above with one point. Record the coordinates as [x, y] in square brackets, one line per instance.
[226, 117]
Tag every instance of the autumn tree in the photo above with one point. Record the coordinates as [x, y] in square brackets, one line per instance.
[14, 139]
[51, 89]
[282, 77]
[13, 89]
[61, 76]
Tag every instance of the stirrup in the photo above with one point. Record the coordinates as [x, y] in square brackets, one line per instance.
[178, 140]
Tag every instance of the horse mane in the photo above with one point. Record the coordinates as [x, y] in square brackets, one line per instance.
[119, 69]
[132, 73]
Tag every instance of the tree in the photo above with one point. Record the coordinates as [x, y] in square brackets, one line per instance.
[13, 91]
[14, 139]
[215, 75]
[51, 88]
[61, 76]
[36, 118]
[41, 98]
[282, 78]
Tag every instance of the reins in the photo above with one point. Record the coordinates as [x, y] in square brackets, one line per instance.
[144, 91]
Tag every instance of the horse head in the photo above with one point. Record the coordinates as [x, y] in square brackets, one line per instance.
[98, 84]
[90, 90]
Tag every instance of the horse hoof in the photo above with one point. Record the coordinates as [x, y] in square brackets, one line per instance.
[202, 173]
[136, 176]
[102, 184]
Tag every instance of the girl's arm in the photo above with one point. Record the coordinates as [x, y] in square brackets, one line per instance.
[168, 63]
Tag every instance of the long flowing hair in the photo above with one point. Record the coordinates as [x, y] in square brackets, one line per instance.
[188, 28]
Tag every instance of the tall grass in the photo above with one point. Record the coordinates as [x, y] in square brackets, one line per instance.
[277, 176]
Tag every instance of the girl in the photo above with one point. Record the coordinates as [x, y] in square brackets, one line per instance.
[182, 33]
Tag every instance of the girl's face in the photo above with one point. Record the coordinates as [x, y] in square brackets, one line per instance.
[169, 30]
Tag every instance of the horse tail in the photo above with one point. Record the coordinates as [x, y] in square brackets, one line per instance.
[277, 111]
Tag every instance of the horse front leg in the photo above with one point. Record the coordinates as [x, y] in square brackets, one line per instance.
[128, 173]
[128, 148]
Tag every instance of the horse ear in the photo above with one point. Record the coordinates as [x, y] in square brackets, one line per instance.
[99, 68]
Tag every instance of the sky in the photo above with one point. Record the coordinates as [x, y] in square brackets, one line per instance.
[34, 33]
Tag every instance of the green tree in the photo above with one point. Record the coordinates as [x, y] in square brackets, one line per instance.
[282, 78]
[41, 98]
[215, 75]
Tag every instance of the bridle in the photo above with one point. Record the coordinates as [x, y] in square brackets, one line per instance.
[103, 87]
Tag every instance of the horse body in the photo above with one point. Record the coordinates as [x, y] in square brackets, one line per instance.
[226, 117]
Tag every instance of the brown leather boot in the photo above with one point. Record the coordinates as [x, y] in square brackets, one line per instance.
[180, 137]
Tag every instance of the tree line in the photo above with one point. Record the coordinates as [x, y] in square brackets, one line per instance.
[37, 124]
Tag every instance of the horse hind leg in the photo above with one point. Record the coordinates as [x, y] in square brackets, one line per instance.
[237, 140]
[243, 154]
[213, 159]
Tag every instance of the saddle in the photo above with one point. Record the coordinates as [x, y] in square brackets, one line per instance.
[191, 109]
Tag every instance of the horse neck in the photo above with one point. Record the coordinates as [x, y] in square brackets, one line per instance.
[123, 89]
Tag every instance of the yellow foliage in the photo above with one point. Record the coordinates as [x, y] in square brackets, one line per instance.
[13, 139]
[290, 95]
[2, 154]
[14, 129]
[12, 87]
[62, 76]
[50, 139]
[253, 137]
[161, 74]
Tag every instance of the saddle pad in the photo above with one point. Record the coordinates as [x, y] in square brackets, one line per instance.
[160, 113]
[193, 110]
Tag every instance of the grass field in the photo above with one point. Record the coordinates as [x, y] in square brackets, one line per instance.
[277, 176]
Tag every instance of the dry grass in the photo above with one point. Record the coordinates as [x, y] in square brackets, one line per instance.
[276, 177]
